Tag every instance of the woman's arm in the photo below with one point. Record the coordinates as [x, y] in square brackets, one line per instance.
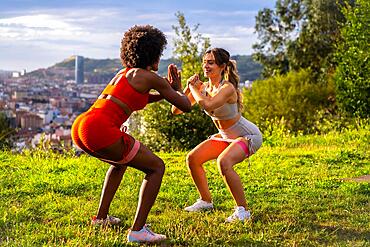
[171, 78]
[188, 94]
[172, 92]
[209, 103]
[154, 97]
[199, 84]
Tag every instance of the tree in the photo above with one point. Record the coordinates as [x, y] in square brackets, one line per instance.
[276, 31]
[298, 34]
[315, 46]
[6, 132]
[163, 131]
[353, 56]
[189, 46]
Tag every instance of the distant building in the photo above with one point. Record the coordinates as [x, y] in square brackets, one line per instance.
[31, 121]
[16, 74]
[79, 69]
[46, 115]
[248, 84]
[18, 116]
[19, 95]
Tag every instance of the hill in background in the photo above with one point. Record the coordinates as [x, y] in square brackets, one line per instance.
[247, 68]
[102, 70]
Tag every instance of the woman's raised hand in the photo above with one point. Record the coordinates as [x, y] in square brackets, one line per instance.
[194, 81]
[174, 77]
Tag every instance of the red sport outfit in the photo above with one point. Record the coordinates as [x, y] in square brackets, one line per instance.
[100, 126]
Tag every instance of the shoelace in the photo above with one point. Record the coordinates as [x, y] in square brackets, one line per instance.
[98, 221]
[236, 212]
[235, 215]
[148, 230]
[198, 203]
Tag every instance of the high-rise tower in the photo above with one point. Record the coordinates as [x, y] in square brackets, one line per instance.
[79, 69]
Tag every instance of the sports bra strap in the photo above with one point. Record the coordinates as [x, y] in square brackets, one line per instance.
[108, 89]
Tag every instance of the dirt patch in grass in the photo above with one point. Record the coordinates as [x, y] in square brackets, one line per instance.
[364, 178]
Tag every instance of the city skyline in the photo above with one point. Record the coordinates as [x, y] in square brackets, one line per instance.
[38, 34]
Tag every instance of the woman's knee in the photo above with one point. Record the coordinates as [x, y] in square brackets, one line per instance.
[117, 167]
[159, 166]
[224, 165]
[191, 159]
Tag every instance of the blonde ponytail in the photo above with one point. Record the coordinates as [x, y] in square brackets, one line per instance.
[231, 75]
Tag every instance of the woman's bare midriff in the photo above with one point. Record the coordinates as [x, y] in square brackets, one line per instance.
[225, 124]
[124, 107]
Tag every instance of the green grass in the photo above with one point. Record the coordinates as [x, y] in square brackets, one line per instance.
[294, 190]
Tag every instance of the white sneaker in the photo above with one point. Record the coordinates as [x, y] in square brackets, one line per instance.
[199, 205]
[240, 214]
[110, 220]
[145, 235]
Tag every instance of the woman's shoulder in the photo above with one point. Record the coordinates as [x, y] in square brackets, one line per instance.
[227, 85]
[142, 80]
[229, 90]
[141, 74]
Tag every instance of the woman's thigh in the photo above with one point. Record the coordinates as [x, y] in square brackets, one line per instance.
[145, 160]
[207, 150]
[117, 151]
[234, 153]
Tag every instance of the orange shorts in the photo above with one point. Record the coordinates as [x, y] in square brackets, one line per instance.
[98, 128]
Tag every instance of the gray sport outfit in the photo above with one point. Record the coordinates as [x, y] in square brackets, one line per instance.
[242, 128]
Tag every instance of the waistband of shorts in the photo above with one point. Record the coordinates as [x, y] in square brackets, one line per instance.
[111, 110]
[232, 126]
[108, 105]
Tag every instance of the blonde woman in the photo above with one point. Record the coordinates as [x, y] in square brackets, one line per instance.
[237, 139]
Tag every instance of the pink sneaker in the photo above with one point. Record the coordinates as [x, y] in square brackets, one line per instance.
[144, 235]
[110, 220]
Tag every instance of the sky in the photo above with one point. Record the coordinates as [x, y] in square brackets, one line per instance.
[39, 33]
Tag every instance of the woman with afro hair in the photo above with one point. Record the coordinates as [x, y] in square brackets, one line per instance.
[99, 130]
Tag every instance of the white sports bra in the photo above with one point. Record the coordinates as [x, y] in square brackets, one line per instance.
[224, 112]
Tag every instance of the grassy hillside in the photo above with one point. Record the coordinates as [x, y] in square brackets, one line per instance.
[295, 192]
[248, 69]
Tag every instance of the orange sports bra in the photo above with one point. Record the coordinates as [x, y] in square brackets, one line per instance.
[122, 90]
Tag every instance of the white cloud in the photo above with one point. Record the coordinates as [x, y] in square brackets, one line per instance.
[33, 21]
[46, 36]
[155, 17]
[243, 31]
[36, 27]
[237, 39]
[236, 13]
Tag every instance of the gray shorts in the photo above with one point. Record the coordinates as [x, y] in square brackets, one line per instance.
[242, 128]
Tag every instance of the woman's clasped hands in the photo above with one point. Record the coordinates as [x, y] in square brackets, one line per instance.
[194, 81]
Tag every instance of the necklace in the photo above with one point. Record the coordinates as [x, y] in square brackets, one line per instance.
[211, 90]
[219, 86]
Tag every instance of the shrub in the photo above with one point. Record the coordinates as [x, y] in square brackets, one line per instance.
[275, 132]
[162, 131]
[292, 97]
[353, 57]
[6, 132]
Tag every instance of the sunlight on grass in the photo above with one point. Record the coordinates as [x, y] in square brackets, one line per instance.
[294, 191]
